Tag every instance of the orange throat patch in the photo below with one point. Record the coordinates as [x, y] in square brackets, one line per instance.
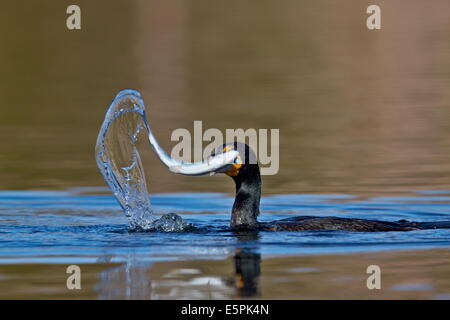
[234, 169]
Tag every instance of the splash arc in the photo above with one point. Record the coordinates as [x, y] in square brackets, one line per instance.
[120, 164]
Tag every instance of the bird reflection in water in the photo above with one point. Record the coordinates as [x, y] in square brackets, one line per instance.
[189, 280]
[247, 267]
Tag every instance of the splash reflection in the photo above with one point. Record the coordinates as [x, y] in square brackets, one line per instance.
[189, 279]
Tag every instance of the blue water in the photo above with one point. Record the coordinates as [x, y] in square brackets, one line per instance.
[77, 226]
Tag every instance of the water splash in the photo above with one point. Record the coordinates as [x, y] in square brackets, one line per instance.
[120, 164]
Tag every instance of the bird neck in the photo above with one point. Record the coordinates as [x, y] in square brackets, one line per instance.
[248, 194]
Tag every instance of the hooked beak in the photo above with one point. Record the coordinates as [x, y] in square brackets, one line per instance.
[230, 169]
[224, 169]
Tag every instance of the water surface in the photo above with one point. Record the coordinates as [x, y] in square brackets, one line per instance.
[86, 227]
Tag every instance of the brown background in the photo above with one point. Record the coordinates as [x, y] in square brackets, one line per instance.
[359, 111]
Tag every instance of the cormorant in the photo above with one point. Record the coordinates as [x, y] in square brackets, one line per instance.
[246, 175]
